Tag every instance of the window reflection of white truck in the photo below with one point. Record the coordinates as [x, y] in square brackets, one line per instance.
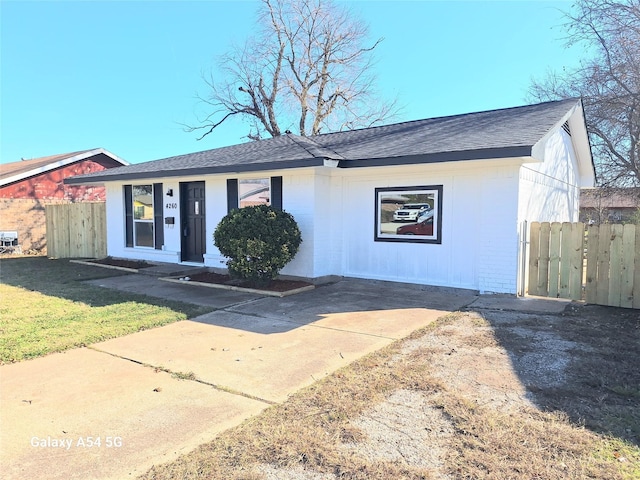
[413, 212]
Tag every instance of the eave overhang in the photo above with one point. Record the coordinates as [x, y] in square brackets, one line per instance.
[439, 157]
[190, 172]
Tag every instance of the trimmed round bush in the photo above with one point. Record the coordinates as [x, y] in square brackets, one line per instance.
[258, 241]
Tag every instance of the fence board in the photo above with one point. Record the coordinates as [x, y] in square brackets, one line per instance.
[76, 230]
[554, 260]
[543, 264]
[628, 257]
[576, 260]
[615, 265]
[602, 279]
[565, 254]
[636, 274]
[592, 263]
[50, 238]
[64, 239]
[99, 212]
[534, 255]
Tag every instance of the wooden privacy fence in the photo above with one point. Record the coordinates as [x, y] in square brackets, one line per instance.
[599, 264]
[76, 230]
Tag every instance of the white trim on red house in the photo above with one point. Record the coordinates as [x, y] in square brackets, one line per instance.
[60, 163]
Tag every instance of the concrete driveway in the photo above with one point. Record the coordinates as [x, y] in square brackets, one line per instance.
[114, 409]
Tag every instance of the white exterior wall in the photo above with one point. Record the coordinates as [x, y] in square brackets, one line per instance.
[115, 219]
[335, 209]
[550, 190]
[498, 231]
[216, 208]
[328, 223]
[298, 193]
[479, 229]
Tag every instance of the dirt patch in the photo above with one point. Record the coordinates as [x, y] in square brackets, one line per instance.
[484, 394]
[273, 286]
[405, 428]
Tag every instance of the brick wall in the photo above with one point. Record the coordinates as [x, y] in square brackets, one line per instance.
[497, 234]
[27, 217]
[50, 186]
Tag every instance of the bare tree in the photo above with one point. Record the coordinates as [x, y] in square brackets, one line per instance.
[309, 68]
[608, 81]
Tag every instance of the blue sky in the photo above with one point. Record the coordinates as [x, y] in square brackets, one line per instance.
[123, 75]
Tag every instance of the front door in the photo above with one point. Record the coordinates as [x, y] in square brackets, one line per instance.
[193, 222]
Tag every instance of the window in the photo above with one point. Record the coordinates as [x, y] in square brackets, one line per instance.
[409, 214]
[259, 191]
[254, 192]
[144, 215]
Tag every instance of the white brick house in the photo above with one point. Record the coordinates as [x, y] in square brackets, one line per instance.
[475, 178]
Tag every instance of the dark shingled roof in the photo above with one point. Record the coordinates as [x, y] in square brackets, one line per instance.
[503, 133]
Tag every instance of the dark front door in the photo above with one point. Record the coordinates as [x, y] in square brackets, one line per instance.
[193, 221]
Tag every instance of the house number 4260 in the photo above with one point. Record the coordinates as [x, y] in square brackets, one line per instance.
[171, 205]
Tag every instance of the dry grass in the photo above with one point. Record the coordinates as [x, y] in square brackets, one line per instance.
[382, 416]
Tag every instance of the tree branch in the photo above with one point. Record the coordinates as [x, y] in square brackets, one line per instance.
[308, 65]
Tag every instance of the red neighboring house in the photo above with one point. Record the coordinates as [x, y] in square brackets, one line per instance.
[27, 186]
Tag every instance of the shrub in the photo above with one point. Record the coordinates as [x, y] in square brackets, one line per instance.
[259, 241]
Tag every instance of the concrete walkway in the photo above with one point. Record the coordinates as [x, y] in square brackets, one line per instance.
[114, 409]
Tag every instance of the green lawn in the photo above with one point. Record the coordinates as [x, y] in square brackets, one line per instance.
[45, 308]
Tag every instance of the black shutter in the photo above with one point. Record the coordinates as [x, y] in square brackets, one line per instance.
[276, 192]
[158, 216]
[128, 215]
[232, 194]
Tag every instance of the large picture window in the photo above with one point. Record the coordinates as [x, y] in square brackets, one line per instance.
[409, 214]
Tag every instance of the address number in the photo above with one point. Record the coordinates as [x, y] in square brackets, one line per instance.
[171, 205]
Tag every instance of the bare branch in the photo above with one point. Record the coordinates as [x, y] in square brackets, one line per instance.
[309, 64]
[608, 82]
